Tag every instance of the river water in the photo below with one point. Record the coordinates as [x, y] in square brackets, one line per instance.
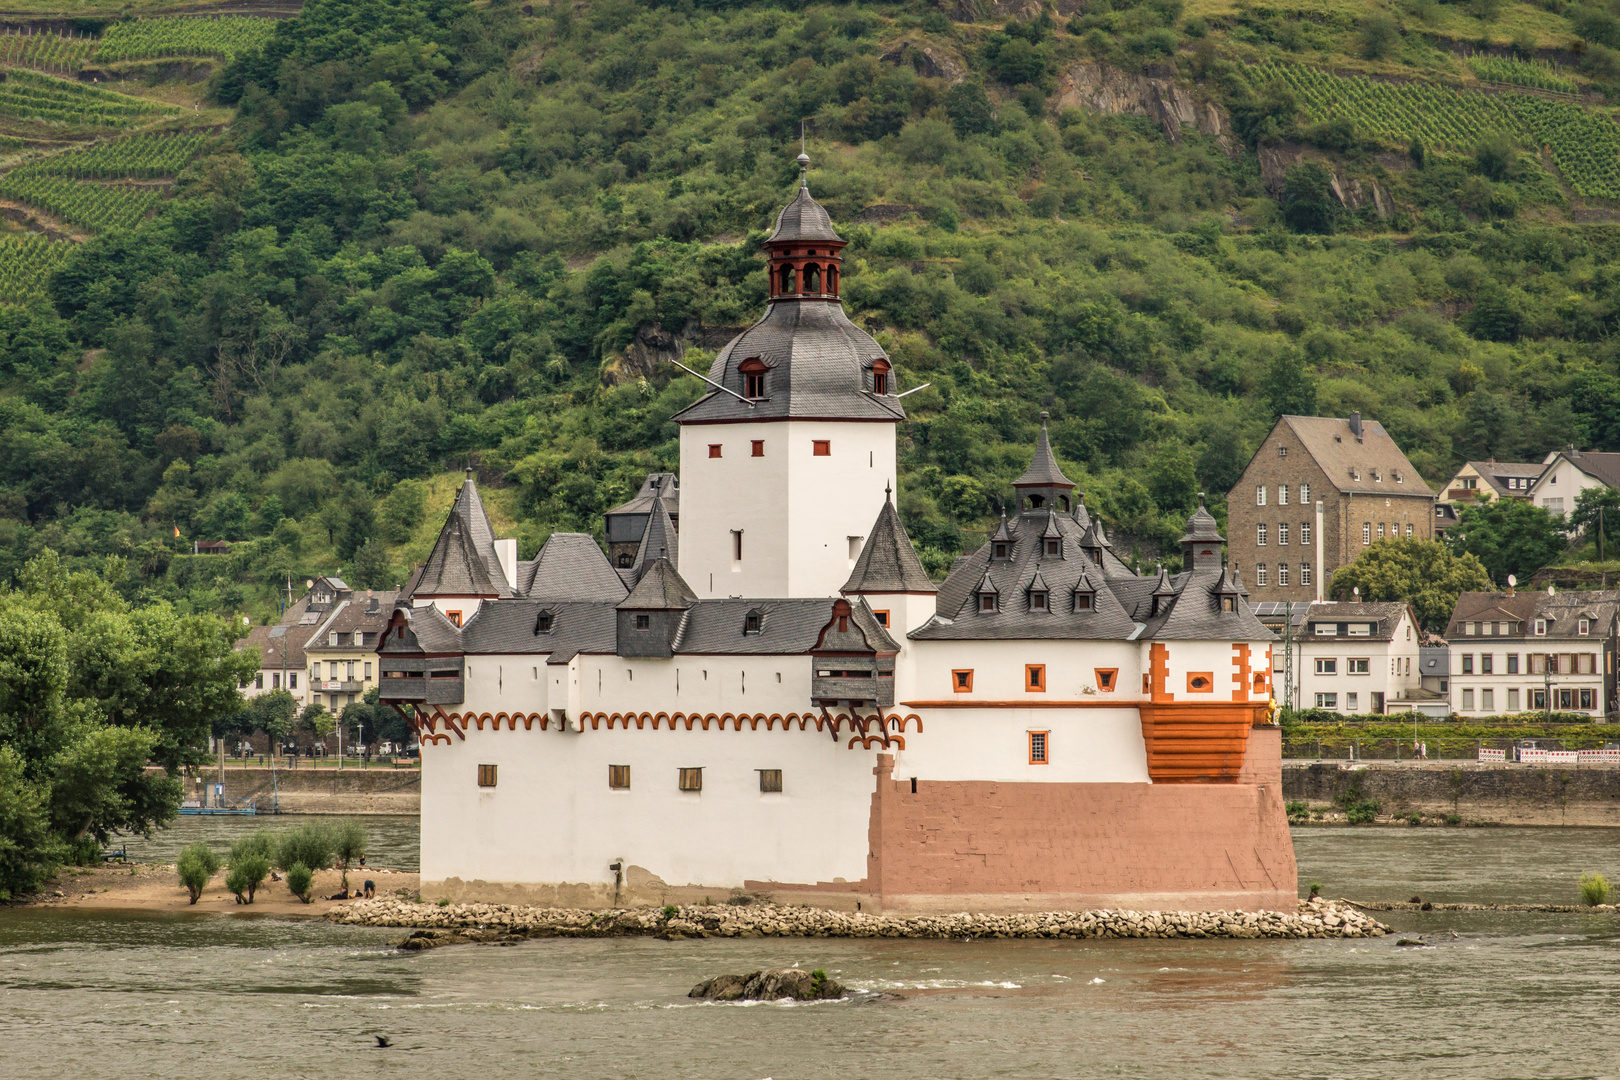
[1498, 994]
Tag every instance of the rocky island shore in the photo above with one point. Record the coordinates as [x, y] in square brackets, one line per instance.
[454, 924]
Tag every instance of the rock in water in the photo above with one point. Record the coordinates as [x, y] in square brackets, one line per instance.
[770, 984]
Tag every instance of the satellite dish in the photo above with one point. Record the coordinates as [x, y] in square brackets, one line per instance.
[246, 621]
[309, 583]
[1512, 581]
[1356, 591]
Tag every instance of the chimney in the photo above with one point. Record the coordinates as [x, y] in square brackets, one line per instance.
[1355, 425]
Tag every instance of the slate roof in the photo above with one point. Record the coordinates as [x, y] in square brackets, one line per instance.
[661, 588]
[1331, 442]
[1043, 470]
[509, 627]
[817, 361]
[657, 488]
[1202, 528]
[431, 631]
[803, 218]
[787, 627]
[888, 563]
[463, 561]
[275, 647]
[659, 541]
[571, 567]
[1388, 615]
[1495, 472]
[1604, 468]
[357, 613]
[1562, 610]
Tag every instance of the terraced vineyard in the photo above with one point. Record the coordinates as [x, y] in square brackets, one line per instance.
[52, 52]
[28, 95]
[94, 206]
[1585, 145]
[144, 39]
[25, 263]
[136, 157]
[1521, 73]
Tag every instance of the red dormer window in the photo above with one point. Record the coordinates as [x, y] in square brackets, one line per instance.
[753, 372]
[880, 377]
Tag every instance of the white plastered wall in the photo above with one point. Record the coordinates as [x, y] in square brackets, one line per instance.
[796, 511]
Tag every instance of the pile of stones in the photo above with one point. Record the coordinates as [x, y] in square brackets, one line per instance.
[452, 924]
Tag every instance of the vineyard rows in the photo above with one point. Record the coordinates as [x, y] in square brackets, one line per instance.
[1521, 73]
[55, 52]
[142, 39]
[25, 263]
[95, 206]
[29, 95]
[1584, 145]
[140, 157]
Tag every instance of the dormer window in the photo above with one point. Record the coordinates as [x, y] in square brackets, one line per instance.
[753, 372]
[643, 622]
[1584, 627]
[1082, 601]
[1228, 603]
[880, 377]
[542, 622]
[987, 601]
[1001, 550]
[752, 622]
[1037, 600]
[625, 560]
[1054, 548]
[1355, 474]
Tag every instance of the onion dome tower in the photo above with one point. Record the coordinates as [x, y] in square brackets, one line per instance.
[785, 460]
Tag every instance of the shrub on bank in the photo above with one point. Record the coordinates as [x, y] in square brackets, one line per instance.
[198, 863]
[311, 844]
[1595, 889]
[349, 841]
[249, 866]
[299, 880]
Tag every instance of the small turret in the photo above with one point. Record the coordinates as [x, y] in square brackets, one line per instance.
[1043, 485]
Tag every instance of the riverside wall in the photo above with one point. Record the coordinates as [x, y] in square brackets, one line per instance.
[1479, 794]
[376, 790]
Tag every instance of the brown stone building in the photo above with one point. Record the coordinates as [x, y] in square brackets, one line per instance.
[1315, 495]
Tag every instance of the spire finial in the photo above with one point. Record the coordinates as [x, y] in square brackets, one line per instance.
[803, 160]
[1044, 415]
[888, 491]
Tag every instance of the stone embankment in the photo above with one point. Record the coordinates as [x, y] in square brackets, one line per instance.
[455, 924]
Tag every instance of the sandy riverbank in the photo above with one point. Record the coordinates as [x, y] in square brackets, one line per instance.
[155, 887]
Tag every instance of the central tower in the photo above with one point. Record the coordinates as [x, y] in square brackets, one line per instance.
[784, 469]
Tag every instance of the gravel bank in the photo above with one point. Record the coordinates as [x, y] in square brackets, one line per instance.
[493, 923]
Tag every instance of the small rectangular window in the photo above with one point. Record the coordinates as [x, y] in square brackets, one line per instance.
[1541, 627]
[1304, 494]
[1327, 701]
[1327, 667]
[1106, 677]
[759, 447]
[1366, 532]
[1512, 663]
[258, 682]
[751, 623]
[1351, 702]
[1583, 627]
[292, 680]
[770, 779]
[619, 776]
[1467, 663]
[1359, 665]
[1037, 747]
[453, 616]
[1513, 701]
[1487, 700]
[1260, 535]
[1282, 494]
[368, 671]
[486, 776]
[1282, 574]
[691, 779]
[1586, 699]
[1282, 451]
[736, 545]
[1304, 532]
[882, 617]
[1486, 662]
[714, 449]
[962, 680]
[1034, 677]
[1260, 495]
[1408, 528]
[643, 622]
[1282, 534]
[1467, 701]
[880, 383]
[821, 447]
[1380, 530]
[1260, 574]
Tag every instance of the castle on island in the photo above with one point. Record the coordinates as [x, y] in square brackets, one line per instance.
[758, 688]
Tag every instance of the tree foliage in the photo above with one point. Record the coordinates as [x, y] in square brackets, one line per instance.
[1423, 573]
[197, 864]
[1508, 536]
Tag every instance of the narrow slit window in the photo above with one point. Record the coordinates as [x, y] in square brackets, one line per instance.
[736, 545]
[486, 776]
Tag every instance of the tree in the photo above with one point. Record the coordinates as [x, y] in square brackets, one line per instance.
[28, 849]
[371, 568]
[197, 865]
[1289, 386]
[1596, 515]
[1423, 573]
[1380, 37]
[1171, 477]
[300, 878]
[317, 721]
[968, 107]
[349, 842]
[1508, 536]
[1308, 203]
[249, 865]
[273, 713]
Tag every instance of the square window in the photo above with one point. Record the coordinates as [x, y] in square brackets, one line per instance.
[962, 680]
[821, 447]
[1106, 678]
[758, 447]
[691, 779]
[1037, 747]
[882, 616]
[1282, 451]
[643, 622]
[714, 449]
[453, 616]
[1327, 667]
[619, 777]
[1035, 678]
[1200, 682]
[770, 779]
[486, 776]
[1054, 547]
[1082, 601]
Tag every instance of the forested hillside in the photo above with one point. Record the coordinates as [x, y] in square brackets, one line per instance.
[274, 291]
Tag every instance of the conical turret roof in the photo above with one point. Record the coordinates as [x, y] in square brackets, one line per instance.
[1202, 528]
[888, 563]
[463, 561]
[804, 218]
[659, 541]
[661, 588]
[1043, 469]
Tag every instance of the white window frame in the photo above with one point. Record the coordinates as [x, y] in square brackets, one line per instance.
[1541, 628]
[1260, 495]
[1282, 494]
[1260, 574]
[1327, 701]
[1260, 534]
[1327, 665]
[1304, 494]
[1304, 573]
[1282, 575]
[1363, 661]
[1366, 533]
[1282, 534]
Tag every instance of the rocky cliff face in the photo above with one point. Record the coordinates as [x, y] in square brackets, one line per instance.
[1151, 93]
[1352, 193]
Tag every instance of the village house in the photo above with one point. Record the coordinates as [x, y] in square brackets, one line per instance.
[281, 661]
[1352, 657]
[1315, 495]
[1570, 472]
[1514, 652]
[778, 699]
[342, 647]
[1489, 480]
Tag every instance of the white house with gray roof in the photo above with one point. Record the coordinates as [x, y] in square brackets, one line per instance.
[770, 695]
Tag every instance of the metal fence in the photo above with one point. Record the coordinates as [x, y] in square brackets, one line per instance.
[1575, 751]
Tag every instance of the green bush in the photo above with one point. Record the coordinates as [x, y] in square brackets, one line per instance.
[1595, 889]
[249, 865]
[349, 841]
[311, 844]
[299, 880]
[1297, 809]
[198, 863]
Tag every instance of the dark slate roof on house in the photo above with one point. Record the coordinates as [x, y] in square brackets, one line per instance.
[657, 488]
[888, 563]
[1202, 528]
[1604, 468]
[1043, 470]
[1563, 611]
[661, 588]
[817, 362]
[357, 614]
[1496, 474]
[571, 567]
[956, 608]
[1387, 614]
[787, 627]
[512, 626]
[803, 218]
[279, 646]
[659, 541]
[1332, 443]
[430, 632]
[1194, 611]
[463, 561]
